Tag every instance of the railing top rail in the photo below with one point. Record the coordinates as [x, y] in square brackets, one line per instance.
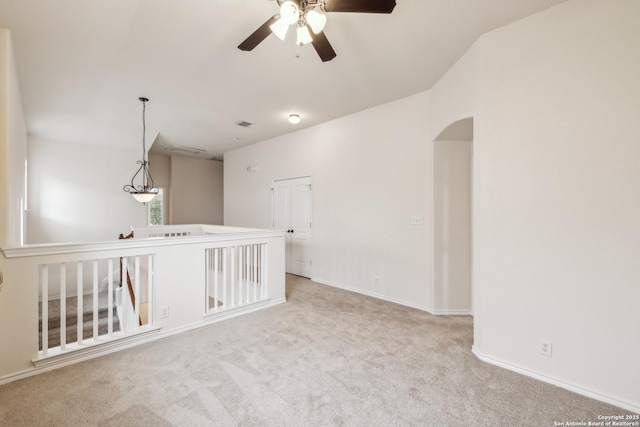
[233, 233]
[193, 229]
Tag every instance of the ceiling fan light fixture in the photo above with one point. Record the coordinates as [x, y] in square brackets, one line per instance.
[280, 28]
[316, 19]
[289, 12]
[304, 36]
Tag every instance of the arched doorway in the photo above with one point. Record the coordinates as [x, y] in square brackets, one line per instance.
[452, 193]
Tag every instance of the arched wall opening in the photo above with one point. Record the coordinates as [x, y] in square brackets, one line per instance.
[452, 233]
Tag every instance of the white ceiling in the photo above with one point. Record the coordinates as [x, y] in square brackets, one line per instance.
[82, 65]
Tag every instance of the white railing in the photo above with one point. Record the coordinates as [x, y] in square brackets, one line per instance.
[105, 298]
[212, 273]
[236, 276]
[188, 230]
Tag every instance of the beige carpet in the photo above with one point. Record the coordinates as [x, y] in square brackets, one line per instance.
[325, 358]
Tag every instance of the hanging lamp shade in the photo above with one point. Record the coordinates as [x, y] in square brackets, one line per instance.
[316, 19]
[143, 197]
[289, 12]
[280, 28]
[304, 36]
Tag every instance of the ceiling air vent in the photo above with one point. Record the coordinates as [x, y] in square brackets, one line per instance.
[185, 150]
[244, 124]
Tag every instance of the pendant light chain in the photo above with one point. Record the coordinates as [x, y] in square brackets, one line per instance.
[147, 191]
[145, 164]
[144, 128]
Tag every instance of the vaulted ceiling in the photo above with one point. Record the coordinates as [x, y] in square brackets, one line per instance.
[83, 64]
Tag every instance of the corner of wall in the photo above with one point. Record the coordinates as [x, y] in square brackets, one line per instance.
[13, 147]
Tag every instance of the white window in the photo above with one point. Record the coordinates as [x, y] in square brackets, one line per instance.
[155, 209]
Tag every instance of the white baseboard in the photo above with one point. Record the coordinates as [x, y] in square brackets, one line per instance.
[95, 349]
[394, 300]
[235, 312]
[451, 312]
[371, 294]
[629, 406]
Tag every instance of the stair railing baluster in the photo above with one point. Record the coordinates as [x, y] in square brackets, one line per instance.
[110, 297]
[254, 260]
[265, 264]
[125, 317]
[225, 301]
[63, 306]
[247, 271]
[232, 270]
[151, 296]
[95, 299]
[136, 301]
[79, 304]
[240, 271]
[45, 309]
[216, 275]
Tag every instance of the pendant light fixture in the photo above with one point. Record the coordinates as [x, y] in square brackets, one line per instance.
[145, 191]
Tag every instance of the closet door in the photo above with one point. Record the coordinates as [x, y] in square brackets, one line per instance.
[292, 213]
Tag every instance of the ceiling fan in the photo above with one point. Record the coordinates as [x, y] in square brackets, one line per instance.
[309, 16]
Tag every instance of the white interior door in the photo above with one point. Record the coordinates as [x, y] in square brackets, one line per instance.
[292, 213]
[300, 227]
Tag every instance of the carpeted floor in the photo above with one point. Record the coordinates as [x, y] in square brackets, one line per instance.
[325, 358]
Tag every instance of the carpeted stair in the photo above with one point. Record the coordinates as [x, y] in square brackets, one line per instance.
[72, 319]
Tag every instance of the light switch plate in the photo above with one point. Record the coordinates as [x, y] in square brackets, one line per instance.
[417, 220]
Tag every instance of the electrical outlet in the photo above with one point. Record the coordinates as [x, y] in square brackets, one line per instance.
[376, 281]
[545, 348]
[164, 312]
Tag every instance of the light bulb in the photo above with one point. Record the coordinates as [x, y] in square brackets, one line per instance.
[289, 12]
[304, 36]
[316, 19]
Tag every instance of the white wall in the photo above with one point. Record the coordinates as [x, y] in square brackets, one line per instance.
[555, 100]
[13, 149]
[160, 169]
[557, 201]
[76, 195]
[358, 164]
[196, 191]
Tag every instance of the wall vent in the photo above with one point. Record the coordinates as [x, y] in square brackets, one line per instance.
[244, 123]
[185, 150]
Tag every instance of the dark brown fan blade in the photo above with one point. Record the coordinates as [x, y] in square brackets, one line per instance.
[322, 46]
[258, 35]
[362, 6]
